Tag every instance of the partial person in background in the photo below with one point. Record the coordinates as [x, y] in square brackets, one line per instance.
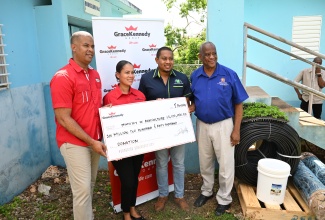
[162, 83]
[218, 96]
[128, 169]
[76, 98]
[315, 81]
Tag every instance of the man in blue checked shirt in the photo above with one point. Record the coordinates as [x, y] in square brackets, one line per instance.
[162, 83]
[218, 96]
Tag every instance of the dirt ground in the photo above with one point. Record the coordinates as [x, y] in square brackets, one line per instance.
[32, 204]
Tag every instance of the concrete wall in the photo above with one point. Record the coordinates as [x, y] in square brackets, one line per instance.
[24, 140]
[225, 29]
[37, 43]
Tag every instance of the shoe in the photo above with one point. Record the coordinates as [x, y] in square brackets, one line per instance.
[181, 202]
[221, 209]
[139, 218]
[201, 200]
[160, 204]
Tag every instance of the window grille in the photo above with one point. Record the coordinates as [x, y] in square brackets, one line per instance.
[4, 83]
[306, 31]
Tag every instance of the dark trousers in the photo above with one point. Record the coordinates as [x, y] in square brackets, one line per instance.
[128, 170]
[317, 108]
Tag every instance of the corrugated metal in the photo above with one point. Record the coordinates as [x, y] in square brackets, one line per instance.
[306, 31]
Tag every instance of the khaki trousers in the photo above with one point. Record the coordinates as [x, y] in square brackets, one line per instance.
[82, 165]
[214, 142]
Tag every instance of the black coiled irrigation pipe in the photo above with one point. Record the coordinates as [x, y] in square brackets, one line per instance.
[279, 141]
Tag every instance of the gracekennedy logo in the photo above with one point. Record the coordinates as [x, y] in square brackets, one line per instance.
[111, 47]
[112, 86]
[135, 66]
[112, 115]
[112, 50]
[150, 48]
[137, 69]
[131, 28]
[132, 33]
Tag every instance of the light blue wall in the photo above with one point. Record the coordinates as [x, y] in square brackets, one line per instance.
[276, 17]
[37, 43]
[19, 28]
[225, 29]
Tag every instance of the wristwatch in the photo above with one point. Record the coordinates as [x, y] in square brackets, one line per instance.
[319, 75]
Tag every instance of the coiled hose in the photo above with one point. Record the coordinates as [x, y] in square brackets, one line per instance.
[279, 141]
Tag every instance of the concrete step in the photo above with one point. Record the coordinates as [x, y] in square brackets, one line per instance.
[308, 127]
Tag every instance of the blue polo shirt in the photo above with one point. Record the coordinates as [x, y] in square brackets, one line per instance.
[153, 87]
[215, 97]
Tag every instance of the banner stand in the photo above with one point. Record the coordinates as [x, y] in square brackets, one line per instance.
[136, 40]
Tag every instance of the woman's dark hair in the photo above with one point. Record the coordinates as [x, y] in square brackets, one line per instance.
[161, 49]
[121, 64]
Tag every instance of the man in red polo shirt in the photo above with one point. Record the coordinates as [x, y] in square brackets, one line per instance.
[76, 98]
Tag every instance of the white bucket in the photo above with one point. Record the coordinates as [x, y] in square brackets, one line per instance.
[272, 180]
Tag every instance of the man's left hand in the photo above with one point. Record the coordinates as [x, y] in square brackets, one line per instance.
[99, 147]
[234, 138]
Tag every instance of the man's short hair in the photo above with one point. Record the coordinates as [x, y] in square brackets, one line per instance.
[161, 49]
[78, 34]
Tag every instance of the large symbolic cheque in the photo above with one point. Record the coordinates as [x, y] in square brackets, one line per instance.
[143, 127]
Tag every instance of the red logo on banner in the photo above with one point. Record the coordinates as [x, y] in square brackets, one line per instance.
[152, 45]
[136, 66]
[111, 113]
[114, 86]
[131, 28]
[111, 47]
[147, 178]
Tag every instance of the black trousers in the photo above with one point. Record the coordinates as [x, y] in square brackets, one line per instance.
[128, 170]
[317, 108]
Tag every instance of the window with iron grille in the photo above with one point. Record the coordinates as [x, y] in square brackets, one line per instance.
[306, 31]
[4, 83]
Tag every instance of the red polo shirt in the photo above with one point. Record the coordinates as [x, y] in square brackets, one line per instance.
[115, 97]
[72, 87]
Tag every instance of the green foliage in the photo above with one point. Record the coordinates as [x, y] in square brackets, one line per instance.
[6, 209]
[174, 36]
[186, 47]
[187, 6]
[257, 109]
[187, 69]
[189, 54]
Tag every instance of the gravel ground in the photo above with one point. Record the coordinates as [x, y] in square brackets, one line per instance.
[31, 204]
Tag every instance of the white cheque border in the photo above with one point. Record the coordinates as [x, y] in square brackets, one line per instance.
[143, 127]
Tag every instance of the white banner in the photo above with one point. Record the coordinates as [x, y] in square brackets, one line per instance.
[133, 39]
[143, 127]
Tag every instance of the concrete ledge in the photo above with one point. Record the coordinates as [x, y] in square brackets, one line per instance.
[256, 94]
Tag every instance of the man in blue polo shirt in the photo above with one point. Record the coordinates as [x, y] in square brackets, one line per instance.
[162, 83]
[218, 96]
